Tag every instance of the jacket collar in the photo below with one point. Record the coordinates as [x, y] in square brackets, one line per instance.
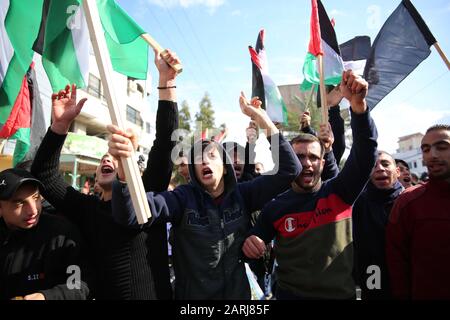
[384, 195]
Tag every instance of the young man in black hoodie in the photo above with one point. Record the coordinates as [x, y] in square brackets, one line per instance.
[370, 218]
[40, 253]
[128, 264]
[210, 216]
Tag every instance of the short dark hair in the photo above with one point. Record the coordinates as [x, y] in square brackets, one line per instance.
[403, 162]
[424, 176]
[380, 152]
[438, 127]
[308, 138]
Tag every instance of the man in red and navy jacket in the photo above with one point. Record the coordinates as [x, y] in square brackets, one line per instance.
[312, 222]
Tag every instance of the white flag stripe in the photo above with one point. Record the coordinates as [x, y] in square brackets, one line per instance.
[333, 64]
[357, 66]
[274, 106]
[80, 37]
[6, 48]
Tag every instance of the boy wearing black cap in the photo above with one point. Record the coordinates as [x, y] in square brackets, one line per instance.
[39, 253]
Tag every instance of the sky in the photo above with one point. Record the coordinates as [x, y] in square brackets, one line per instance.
[211, 37]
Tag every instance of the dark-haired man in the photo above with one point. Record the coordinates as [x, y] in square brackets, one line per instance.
[370, 216]
[312, 221]
[210, 216]
[40, 253]
[418, 233]
[405, 175]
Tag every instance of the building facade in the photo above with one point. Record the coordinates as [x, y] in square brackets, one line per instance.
[409, 150]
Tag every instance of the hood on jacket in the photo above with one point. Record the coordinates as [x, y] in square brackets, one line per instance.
[229, 177]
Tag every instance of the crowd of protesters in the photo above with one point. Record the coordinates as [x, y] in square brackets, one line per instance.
[307, 229]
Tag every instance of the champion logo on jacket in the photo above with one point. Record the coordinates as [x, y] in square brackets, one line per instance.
[330, 209]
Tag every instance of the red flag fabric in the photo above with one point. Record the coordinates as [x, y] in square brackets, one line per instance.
[315, 40]
[20, 116]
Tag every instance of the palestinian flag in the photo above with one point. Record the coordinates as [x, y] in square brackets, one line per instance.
[322, 42]
[38, 124]
[262, 84]
[26, 123]
[402, 44]
[17, 126]
[63, 42]
[19, 26]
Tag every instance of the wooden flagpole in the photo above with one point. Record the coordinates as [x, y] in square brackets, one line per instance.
[155, 45]
[132, 174]
[313, 87]
[323, 93]
[442, 54]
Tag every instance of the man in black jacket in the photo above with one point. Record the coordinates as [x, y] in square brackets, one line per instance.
[40, 255]
[128, 264]
[370, 217]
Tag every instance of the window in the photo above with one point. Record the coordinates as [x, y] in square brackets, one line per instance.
[415, 164]
[134, 116]
[94, 86]
[147, 128]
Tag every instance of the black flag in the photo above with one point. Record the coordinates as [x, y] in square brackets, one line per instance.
[401, 45]
[355, 52]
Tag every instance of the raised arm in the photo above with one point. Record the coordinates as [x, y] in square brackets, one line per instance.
[357, 169]
[258, 192]
[157, 175]
[249, 167]
[330, 169]
[334, 97]
[45, 166]
[305, 124]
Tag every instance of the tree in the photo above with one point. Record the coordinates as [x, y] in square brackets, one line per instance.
[184, 117]
[205, 116]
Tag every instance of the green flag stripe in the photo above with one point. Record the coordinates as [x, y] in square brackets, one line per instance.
[117, 23]
[128, 51]
[22, 28]
[22, 137]
[60, 58]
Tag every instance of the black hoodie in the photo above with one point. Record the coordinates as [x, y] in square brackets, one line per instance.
[370, 217]
[208, 236]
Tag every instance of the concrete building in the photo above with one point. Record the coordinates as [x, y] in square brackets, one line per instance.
[409, 151]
